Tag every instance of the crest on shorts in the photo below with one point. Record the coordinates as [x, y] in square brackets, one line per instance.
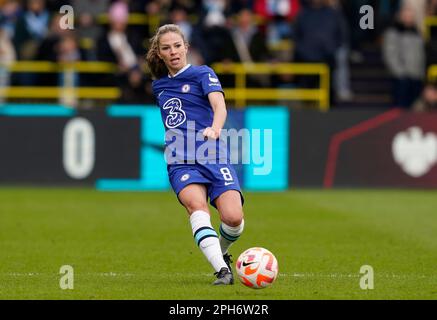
[185, 177]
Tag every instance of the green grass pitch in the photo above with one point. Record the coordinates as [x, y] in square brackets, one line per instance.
[139, 245]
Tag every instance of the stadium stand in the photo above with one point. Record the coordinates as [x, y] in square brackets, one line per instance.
[253, 45]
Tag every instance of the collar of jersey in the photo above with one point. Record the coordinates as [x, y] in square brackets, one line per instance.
[180, 71]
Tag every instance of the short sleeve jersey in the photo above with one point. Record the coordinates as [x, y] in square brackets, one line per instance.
[185, 108]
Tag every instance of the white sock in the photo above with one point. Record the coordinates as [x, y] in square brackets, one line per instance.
[228, 235]
[206, 238]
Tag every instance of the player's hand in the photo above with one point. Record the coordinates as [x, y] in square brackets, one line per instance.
[211, 133]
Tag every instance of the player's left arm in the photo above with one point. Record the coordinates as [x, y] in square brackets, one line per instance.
[217, 101]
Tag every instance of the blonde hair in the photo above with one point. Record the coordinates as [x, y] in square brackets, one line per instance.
[156, 66]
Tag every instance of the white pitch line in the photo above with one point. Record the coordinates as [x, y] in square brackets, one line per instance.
[285, 275]
[357, 275]
[100, 274]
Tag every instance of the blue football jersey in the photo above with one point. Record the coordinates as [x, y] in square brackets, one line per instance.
[186, 111]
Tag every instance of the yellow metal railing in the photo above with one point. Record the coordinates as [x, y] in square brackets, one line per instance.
[241, 93]
[46, 66]
[430, 22]
[58, 92]
[153, 21]
[432, 72]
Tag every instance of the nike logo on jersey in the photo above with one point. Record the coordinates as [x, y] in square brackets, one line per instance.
[228, 183]
[161, 93]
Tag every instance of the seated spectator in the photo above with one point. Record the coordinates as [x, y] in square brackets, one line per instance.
[428, 99]
[47, 49]
[54, 5]
[67, 49]
[431, 8]
[7, 57]
[7, 52]
[179, 17]
[242, 42]
[31, 28]
[191, 7]
[431, 49]
[10, 11]
[211, 37]
[213, 12]
[249, 42]
[87, 27]
[278, 15]
[419, 7]
[236, 6]
[404, 55]
[118, 47]
[52, 49]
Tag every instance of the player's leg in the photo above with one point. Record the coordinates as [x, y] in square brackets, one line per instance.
[230, 207]
[194, 199]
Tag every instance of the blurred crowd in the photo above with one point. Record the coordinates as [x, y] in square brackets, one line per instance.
[326, 31]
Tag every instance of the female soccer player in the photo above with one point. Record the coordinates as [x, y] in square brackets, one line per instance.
[192, 104]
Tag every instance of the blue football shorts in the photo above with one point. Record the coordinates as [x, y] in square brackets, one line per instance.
[217, 178]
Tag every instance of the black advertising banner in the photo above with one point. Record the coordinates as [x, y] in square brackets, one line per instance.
[394, 150]
[310, 136]
[120, 148]
[68, 149]
[363, 149]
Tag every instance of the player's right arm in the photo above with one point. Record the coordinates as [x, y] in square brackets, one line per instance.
[217, 101]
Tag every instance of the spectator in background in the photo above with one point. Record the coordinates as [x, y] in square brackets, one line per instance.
[179, 17]
[279, 16]
[385, 11]
[9, 14]
[431, 50]
[31, 28]
[249, 41]
[428, 99]
[358, 36]
[47, 49]
[419, 7]
[319, 34]
[137, 6]
[404, 55]
[54, 5]
[213, 12]
[431, 8]
[7, 57]
[118, 47]
[236, 6]
[189, 6]
[249, 45]
[212, 36]
[341, 73]
[67, 49]
[88, 29]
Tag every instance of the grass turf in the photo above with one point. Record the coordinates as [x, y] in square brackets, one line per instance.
[139, 245]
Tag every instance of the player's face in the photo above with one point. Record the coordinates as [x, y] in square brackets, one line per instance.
[173, 51]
